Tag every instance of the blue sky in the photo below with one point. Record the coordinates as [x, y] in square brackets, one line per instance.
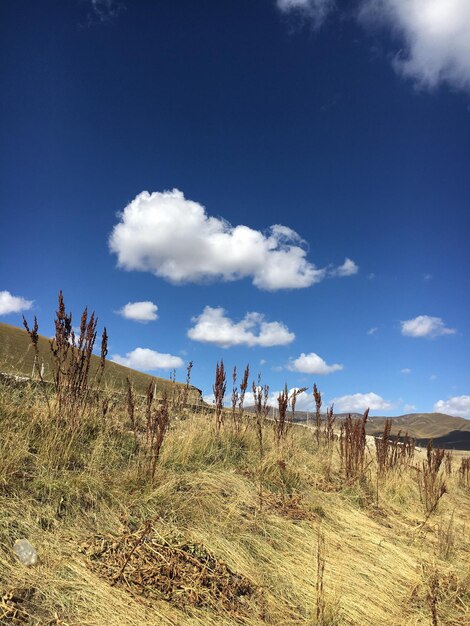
[280, 183]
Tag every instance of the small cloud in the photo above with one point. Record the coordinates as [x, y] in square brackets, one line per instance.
[408, 408]
[373, 330]
[262, 362]
[312, 364]
[348, 268]
[371, 276]
[13, 304]
[425, 326]
[459, 406]
[145, 311]
[102, 11]
[433, 377]
[405, 370]
[358, 402]
[427, 277]
[214, 326]
[148, 360]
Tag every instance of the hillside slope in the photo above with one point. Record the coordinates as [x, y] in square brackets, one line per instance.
[221, 536]
[17, 357]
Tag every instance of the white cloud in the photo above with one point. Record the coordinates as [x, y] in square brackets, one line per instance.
[312, 364]
[139, 311]
[425, 326]
[435, 34]
[360, 402]
[457, 405]
[316, 10]
[406, 370]
[213, 326]
[372, 331]
[13, 304]
[409, 408]
[175, 239]
[148, 360]
[349, 268]
[433, 377]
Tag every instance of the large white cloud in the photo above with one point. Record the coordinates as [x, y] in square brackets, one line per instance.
[145, 311]
[435, 34]
[175, 239]
[316, 10]
[360, 402]
[148, 360]
[312, 364]
[13, 304]
[213, 326]
[425, 326]
[457, 405]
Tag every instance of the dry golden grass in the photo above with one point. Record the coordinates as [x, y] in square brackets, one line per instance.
[257, 520]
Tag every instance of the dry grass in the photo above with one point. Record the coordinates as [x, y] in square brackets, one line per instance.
[141, 519]
[374, 563]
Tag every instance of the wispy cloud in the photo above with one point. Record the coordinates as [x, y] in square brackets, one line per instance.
[312, 364]
[361, 402]
[373, 331]
[174, 238]
[148, 360]
[214, 326]
[315, 10]
[13, 304]
[145, 311]
[458, 406]
[425, 326]
[406, 370]
[102, 11]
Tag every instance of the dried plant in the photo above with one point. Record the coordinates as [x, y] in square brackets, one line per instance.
[219, 388]
[431, 483]
[464, 472]
[130, 397]
[318, 403]
[241, 396]
[235, 398]
[329, 434]
[158, 420]
[280, 421]
[352, 444]
[293, 400]
[71, 360]
[448, 462]
[260, 395]
[446, 538]
[319, 585]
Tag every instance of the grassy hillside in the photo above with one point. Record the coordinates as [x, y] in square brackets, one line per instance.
[226, 533]
[17, 357]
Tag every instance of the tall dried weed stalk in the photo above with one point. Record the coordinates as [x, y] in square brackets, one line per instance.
[391, 452]
[260, 396]
[464, 472]
[430, 480]
[71, 361]
[352, 445]
[219, 388]
[157, 423]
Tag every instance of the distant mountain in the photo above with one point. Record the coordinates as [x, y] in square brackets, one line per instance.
[446, 431]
